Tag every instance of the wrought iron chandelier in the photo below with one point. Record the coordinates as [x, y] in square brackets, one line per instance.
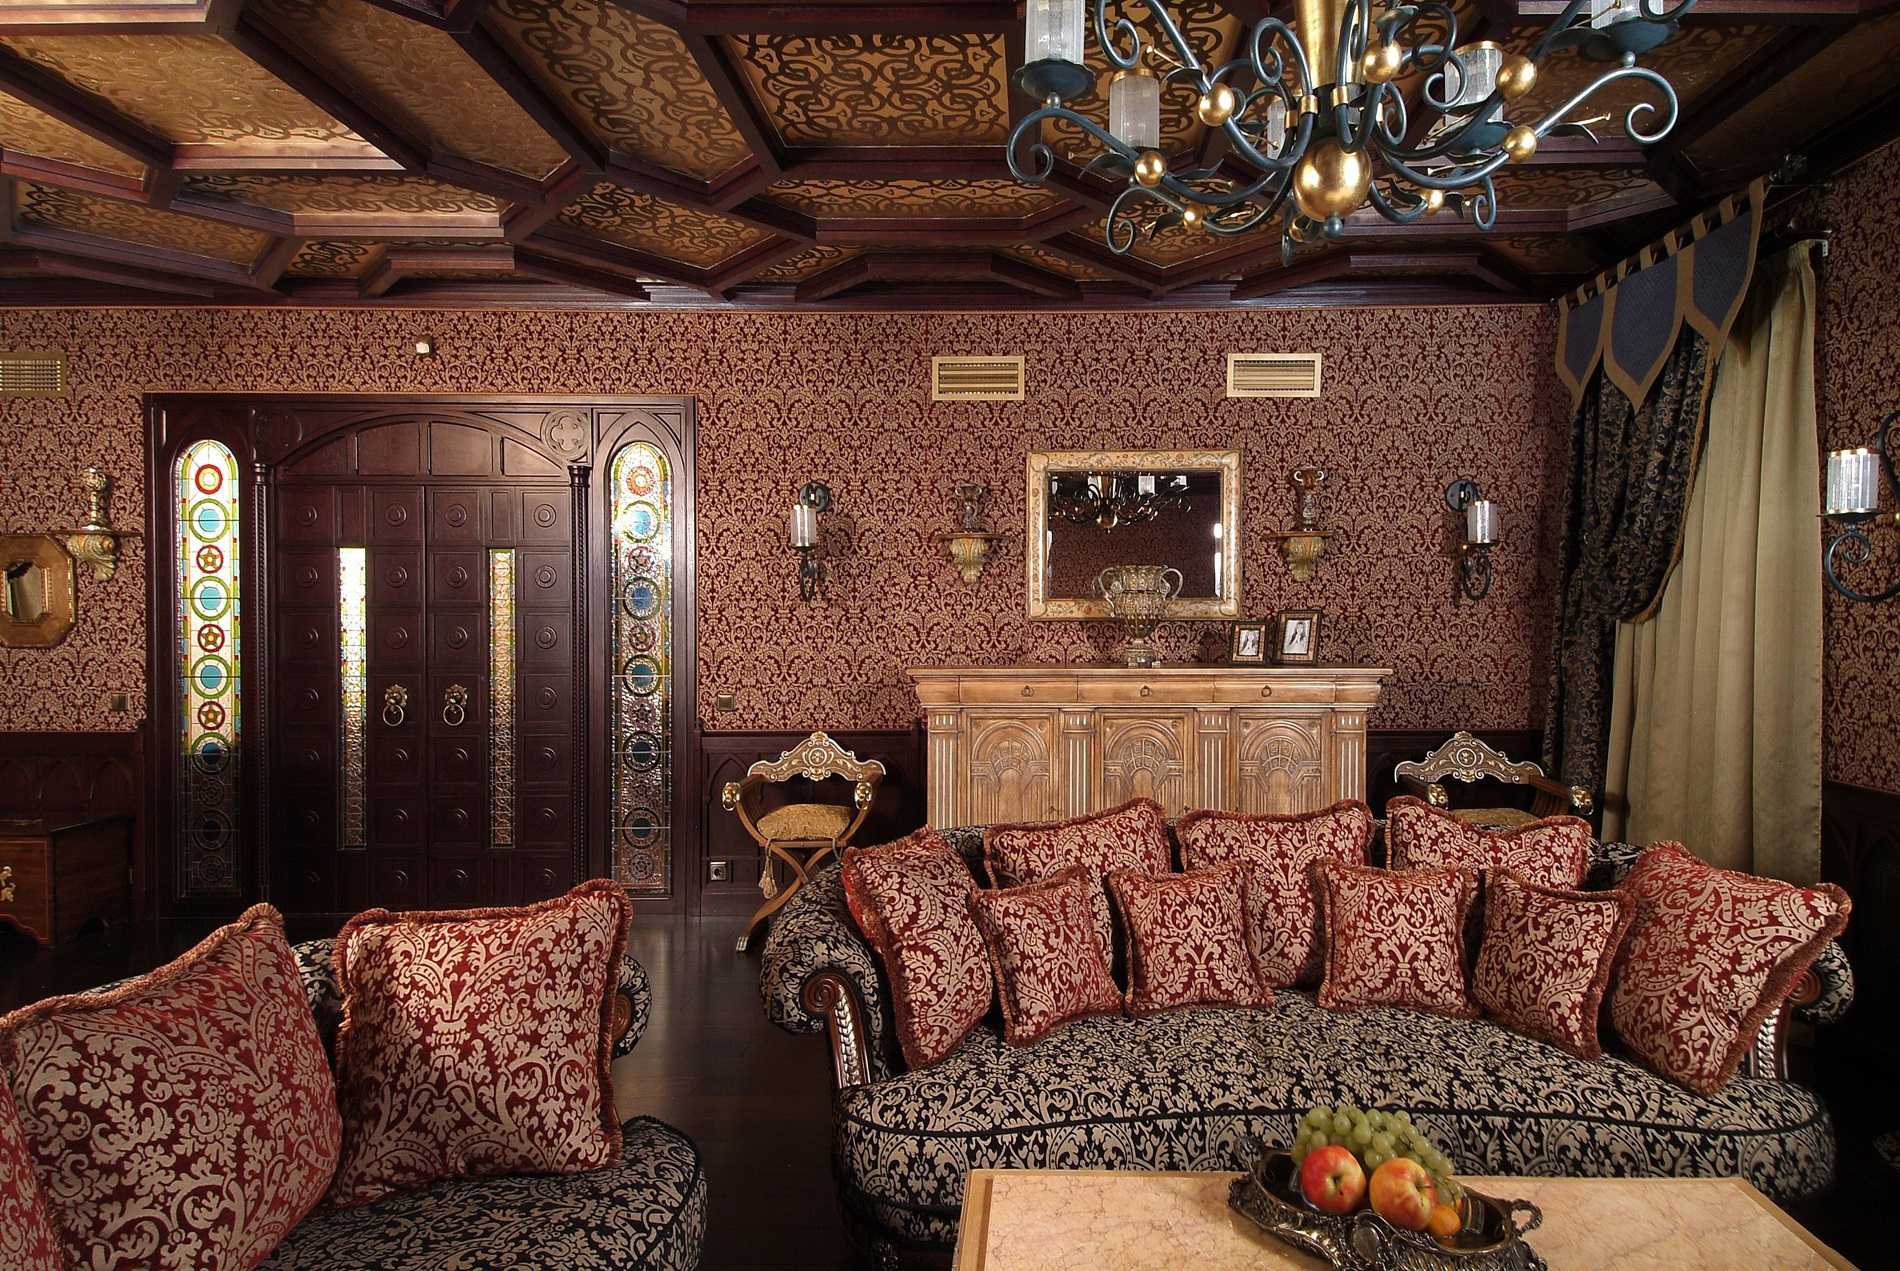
[1319, 113]
[1108, 500]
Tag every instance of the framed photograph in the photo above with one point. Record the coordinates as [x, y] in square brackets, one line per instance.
[1296, 636]
[1248, 643]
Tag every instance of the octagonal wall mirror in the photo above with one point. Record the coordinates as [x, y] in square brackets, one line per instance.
[1092, 509]
[37, 594]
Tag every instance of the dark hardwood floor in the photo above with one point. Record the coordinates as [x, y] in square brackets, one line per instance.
[757, 1100]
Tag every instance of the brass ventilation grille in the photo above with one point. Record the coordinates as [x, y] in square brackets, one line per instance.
[32, 374]
[976, 379]
[1273, 374]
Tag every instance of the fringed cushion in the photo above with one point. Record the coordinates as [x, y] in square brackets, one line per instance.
[477, 1042]
[1546, 957]
[1132, 836]
[1187, 939]
[804, 821]
[1048, 964]
[27, 1239]
[1553, 852]
[1396, 938]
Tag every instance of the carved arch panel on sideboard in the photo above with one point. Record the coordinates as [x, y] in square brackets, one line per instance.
[1280, 762]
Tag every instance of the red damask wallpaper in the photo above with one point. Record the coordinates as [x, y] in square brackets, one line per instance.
[1412, 399]
[1859, 345]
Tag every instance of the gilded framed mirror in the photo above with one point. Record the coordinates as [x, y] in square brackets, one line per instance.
[37, 592]
[1089, 510]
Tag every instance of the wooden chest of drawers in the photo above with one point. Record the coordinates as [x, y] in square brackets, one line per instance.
[56, 880]
[1035, 743]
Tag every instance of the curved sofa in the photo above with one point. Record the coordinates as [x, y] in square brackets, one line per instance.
[1186, 1089]
[647, 1211]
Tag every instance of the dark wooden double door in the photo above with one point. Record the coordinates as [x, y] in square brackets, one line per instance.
[438, 769]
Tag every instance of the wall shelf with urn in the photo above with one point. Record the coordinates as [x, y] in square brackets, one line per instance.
[1033, 743]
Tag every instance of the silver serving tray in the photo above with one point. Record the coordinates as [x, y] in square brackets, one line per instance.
[1267, 1195]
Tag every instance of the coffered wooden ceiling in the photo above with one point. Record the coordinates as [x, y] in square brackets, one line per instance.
[495, 152]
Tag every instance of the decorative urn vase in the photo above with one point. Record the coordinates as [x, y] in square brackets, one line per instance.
[1136, 596]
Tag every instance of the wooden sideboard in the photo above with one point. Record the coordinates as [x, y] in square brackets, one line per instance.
[1037, 743]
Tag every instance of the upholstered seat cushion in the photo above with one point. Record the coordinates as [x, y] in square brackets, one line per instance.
[646, 1210]
[804, 821]
[1493, 818]
[1182, 1090]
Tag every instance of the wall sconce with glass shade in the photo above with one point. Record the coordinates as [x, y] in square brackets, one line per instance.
[1480, 536]
[1854, 478]
[814, 499]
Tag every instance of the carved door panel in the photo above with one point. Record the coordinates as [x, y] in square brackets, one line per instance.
[426, 754]
[1280, 761]
[1010, 758]
[1145, 754]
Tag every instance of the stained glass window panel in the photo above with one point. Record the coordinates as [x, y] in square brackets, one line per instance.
[641, 579]
[352, 572]
[209, 666]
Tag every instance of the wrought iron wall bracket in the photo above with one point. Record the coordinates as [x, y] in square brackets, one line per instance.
[1852, 547]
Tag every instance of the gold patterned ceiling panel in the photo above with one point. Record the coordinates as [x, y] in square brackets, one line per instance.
[642, 222]
[1179, 245]
[876, 200]
[878, 90]
[331, 258]
[190, 89]
[1215, 36]
[352, 195]
[1545, 253]
[25, 130]
[1524, 188]
[1697, 57]
[419, 79]
[1057, 263]
[1854, 70]
[802, 265]
[629, 78]
[44, 205]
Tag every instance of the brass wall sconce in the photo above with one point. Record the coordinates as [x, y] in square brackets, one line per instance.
[96, 544]
[814, 498]
[1853, 500]
[969, 544]
[1305, 543]
[1480, 536]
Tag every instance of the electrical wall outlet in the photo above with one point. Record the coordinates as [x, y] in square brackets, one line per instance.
[725, 702]
[118, 704]
[719, 871]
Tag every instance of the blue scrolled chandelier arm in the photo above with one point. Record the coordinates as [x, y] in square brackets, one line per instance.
[1328, 139]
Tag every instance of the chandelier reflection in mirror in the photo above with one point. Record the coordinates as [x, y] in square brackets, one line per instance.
[1320, 115]
[1111, 499]
[1854, 480]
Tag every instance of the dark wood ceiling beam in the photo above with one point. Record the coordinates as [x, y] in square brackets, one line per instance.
[1026, 277]
[159, 18]
[276, 259]
[920, 231]
[728, 85]
[40, 263]
[549, 269]
[484, 178]
[836, 280]
[324, 87]
[566, 185]
[79, 109]
[73, 176]
[346, 160]
[230, 212]
[1096, 255]
[1064, 221]
[550, 114]
[428, 12]
[559, 241]
[749, 263]
[888, 163]
[1274, 281]
[160, 260]
[1706, 13]
[739, 187]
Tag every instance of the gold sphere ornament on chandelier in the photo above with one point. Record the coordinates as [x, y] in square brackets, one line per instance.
[1357, 109]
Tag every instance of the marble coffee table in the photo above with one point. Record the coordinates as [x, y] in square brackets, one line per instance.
[1112, 1220]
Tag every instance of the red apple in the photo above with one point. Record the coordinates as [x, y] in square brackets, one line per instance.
[1403, 1193]
[1332, 1180]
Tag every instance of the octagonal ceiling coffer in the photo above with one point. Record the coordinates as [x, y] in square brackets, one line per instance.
[976, 379]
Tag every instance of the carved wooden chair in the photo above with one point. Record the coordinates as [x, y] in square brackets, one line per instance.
[1465, 758]
[802, 835]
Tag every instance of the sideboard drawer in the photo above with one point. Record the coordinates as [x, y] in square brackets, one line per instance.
[1259, 692]
[988, 692]
[1169, 690]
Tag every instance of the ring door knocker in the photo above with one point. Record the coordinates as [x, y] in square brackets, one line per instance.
[455, 705]
[395, 705]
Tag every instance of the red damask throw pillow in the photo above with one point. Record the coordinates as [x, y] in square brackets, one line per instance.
[477, 1042]
[28, 1241]
[182, 1119]
[1132, 836]
[1553, 852]
[1546, 958]
[1187, 939]
[1279, 853]
[1711, 954]
[911, 900]
[1045, 953]
[1396, 938]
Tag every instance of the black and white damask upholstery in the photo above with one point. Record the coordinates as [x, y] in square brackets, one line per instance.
[316, 960]
[649, 1210]
[1183, 1090]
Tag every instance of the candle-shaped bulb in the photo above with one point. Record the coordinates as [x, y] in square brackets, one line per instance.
[803, 525]
[1853, 482]
[1481, 521]
[1053, 31]
[1134, 109]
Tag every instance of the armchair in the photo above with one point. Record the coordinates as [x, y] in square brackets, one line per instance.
[802, 835]
[1465, 758]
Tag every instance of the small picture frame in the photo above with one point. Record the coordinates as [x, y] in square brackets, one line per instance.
[1247, 642]
[1296, 636]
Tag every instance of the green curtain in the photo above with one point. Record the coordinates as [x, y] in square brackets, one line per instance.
[1629, 478]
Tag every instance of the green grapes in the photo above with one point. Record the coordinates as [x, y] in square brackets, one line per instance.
[1374, 1137]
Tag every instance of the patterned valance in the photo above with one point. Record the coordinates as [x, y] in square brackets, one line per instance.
[1628, 316]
